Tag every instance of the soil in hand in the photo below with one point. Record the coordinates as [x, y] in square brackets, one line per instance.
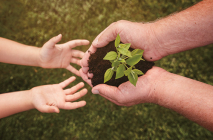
[98, 66]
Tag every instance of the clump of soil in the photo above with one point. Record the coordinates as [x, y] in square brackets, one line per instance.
[98, 66]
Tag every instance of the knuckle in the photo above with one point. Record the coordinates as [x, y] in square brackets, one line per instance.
[120, 22]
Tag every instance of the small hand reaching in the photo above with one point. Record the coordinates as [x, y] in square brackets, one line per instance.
[54, 55]
[51, 98]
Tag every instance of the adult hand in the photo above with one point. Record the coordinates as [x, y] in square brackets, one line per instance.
[54, 55]
[51, 98]
[127, 94]
[140, 36]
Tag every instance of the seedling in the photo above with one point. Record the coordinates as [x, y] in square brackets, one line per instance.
[123, 62]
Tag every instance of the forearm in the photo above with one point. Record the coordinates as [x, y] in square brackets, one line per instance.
[185, 30]
[188, 97]
[15, 53]
[15, 102]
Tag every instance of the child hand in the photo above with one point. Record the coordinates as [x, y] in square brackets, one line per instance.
[54, 55]
[51, 98]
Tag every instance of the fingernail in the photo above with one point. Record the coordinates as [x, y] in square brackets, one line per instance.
[95, 92]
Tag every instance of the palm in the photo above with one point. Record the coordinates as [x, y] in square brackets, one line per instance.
[127, 94]
[54, 55]
[51, 95]
[137, 34]
[49, 98]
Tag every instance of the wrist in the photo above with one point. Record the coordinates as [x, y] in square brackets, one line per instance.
[156, 77]
[153, 47]
[39, 58]
[31, 97]
[33, 56]
[168, 89]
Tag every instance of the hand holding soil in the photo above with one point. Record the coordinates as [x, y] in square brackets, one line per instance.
[138, 41]
[98, 67]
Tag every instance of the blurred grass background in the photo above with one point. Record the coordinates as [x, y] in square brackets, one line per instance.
[35, 22]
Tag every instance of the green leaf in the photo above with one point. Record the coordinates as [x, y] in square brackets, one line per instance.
[115, 63]
[121, 61]
[129, 54]
[125, 46]
[120, 71]
[138, 72]
[127, 72]
[112, 55]
[133, 60]
[108, 74]
[124, 52]
[117, 41]
[137, 52]
[133, 77]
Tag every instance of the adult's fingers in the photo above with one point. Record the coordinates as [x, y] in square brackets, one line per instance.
[85, 77]
[107, 35]
[84, 61]
[112, 94]
[85, 69]
[109, 92]
[90, 75]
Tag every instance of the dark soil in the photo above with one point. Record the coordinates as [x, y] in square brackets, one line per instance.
[98, 66]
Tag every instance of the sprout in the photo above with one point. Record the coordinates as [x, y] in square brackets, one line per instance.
[123, 62]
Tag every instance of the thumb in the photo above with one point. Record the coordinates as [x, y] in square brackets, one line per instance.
[54, 40]
[49, 109]
[108, 92]
[107, 35]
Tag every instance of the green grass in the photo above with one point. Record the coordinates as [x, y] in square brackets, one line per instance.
[35, 22]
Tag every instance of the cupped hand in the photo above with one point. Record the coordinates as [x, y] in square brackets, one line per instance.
[127, 94]
[54, 55]
[140, 36]
[51, 98]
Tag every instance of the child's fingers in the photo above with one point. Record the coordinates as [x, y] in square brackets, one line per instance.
[74, 89]
[84, 60]
[73, 70]
[67, 82]
[77, 53]
[69, 105]
[76, 96]
[76, 61]
[53, 41]
[77, 42]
